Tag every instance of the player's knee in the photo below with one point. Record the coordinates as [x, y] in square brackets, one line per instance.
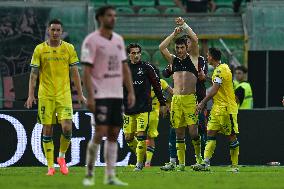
[46, 139]
[141, 138]
[67, 135]
[196, 138]
[128, 138]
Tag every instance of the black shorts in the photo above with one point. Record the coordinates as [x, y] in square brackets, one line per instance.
[109, 112]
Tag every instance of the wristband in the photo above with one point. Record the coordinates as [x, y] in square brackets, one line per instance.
[184, 26]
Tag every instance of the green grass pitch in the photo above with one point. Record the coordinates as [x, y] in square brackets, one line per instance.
[256, 177]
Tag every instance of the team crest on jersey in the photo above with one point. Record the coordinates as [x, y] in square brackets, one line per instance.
[101, 117]
[140, 71]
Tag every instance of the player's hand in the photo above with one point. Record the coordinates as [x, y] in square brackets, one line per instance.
[91, 105]
[163, 111]
[130, 100]
[200, 107]
[177, 31]
[180, 21]
[82, 99]
[30, 101]
[201, 75]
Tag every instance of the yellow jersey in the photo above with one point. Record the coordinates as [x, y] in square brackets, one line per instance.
[224, 102]
[155, 101]
[53, 64]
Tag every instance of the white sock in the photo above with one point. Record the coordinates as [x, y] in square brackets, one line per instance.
[110, 154]
[91, 156]
[61, 155]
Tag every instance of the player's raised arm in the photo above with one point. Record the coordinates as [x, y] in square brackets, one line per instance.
[192, 36]
[128, 83]
[32, 85]
[77, 81]
[164, 45]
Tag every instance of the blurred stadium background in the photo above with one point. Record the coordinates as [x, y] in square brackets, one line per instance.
[251, 36]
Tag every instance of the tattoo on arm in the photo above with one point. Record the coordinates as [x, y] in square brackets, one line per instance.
[34, 76]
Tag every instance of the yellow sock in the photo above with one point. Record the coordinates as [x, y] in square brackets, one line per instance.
[234, 152]
[209, 148]
[149, 153]
[64, 143]
[133, 144]
[141, 149]
[48, 150]
[197, 149]
[181, 151]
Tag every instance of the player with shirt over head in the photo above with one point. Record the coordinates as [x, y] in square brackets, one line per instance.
[183, 106]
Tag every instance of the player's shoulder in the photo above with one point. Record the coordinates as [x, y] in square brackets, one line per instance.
[201, 58]
[163, 83]
[40, 46]
[68, 45]
[117, 36]
[93, 36]
[148, 65]
[224, 66]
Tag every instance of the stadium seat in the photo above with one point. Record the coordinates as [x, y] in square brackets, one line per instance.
[98, 3]
[224, 10]
[118, 2]
[145, 56]
[148, 10]
[159, 60]
[124, 10]
[166, 3]
[173, 10]
[75, 16]
[224, 3]
[143, 2]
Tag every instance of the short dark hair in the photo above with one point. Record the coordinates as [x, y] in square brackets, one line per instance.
[186, 36]
[241, 68]
[102, 10]
[215, 53]
[181, 40]
[133, 45]
[55, 21]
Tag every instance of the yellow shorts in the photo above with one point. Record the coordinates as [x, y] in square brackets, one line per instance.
[183, 108]
[135, 123]
[153, 123]
[226, 124]
[48, 108]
